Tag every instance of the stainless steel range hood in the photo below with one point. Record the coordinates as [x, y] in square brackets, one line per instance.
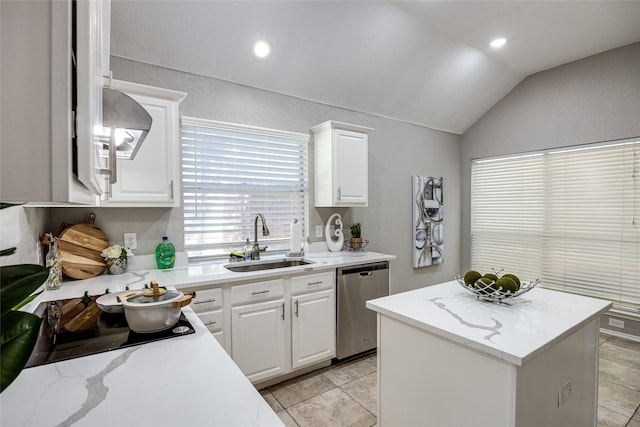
[127, 119]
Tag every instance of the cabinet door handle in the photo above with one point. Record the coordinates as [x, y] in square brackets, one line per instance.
[282, 311]
[297, 315]
[110, 171]
[113, 177]
[339, 193]
[171, 189]
[319, 282]
[260, 292]
[204, 302]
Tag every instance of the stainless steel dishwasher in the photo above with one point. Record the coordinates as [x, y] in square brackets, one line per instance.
[356, 324]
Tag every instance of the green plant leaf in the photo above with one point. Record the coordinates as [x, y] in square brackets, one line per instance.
[18, 281]
[26, 301]
[7, 252]
[19, 333]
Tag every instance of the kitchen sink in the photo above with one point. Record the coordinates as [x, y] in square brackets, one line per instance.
[247, 266]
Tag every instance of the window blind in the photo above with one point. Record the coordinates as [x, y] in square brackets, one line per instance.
[570, 217]
[232, 172]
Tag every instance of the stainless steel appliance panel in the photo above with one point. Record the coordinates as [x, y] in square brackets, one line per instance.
[356, 325]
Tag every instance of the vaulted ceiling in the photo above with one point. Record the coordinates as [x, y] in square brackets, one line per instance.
[422, 62]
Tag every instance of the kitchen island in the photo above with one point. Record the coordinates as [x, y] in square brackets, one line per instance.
[446, 358]
[185, 381]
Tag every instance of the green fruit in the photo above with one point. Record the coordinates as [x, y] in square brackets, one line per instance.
[507, 284]
[483, 285]
[514, 277]
[490, 276]
[471, 276]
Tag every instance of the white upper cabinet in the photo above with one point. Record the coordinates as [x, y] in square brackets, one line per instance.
[341, 171]
[152, 178]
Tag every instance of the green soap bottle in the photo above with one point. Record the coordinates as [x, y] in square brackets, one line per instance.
[165, 254]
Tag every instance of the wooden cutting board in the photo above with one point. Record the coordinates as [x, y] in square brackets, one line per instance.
[80, 246]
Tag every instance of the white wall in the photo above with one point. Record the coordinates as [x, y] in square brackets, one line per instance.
[21, 227]
[591, 100]
[396, 152]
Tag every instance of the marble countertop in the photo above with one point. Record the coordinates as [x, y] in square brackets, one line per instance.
[515, 332]
[214, 273]
[185, 381]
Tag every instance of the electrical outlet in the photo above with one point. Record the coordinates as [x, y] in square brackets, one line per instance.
[616, 323]
[130, 241]
[318, 231]
[564, 393]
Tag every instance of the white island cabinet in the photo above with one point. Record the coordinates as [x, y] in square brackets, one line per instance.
[446, 358]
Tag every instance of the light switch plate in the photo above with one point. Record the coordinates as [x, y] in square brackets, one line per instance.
[564, 393]
[131, 241]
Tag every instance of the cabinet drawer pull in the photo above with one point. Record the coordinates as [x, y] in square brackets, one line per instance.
[260, 292]
[319, 282]
[210, 323]
[204, 302]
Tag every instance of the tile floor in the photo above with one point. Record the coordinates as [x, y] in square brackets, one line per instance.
[345, 394]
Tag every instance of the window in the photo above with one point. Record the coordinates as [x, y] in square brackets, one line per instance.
[570, 217]
[232, 172]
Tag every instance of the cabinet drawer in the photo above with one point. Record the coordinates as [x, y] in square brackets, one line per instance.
[213, 320]
[257, 291]
[313, 282]
[207, 300]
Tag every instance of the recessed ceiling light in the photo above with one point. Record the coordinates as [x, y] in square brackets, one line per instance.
[261, 48]
[498, 42]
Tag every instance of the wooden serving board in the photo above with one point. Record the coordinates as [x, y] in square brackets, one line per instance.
[80, 246]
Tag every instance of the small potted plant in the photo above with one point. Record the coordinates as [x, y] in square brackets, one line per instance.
[116, 257]
[356, 235]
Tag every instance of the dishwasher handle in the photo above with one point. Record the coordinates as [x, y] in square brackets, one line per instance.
[364, 268]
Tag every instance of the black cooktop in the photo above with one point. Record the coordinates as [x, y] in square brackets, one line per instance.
[84, 329]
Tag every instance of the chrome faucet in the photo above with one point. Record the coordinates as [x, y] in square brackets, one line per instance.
[255, 252]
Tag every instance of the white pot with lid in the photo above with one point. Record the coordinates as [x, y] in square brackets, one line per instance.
[154, 309]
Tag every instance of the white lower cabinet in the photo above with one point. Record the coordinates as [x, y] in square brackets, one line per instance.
[282, 325]
[258, 339]
[208, 305]
[214, 321]
[313, 337]
[275, 326]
